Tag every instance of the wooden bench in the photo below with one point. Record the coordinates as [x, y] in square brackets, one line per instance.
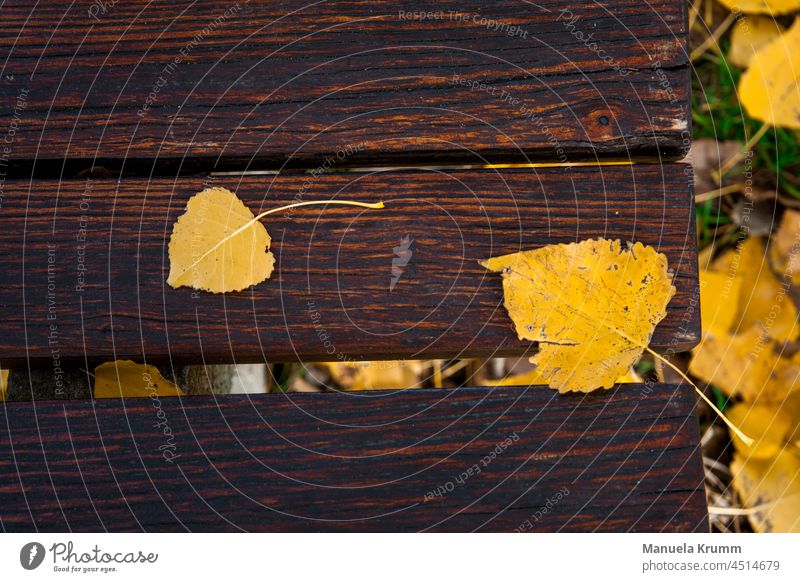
[485, 128]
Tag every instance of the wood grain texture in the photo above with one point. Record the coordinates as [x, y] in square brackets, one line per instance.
[628, 459]
[330, 296]
[255, 83]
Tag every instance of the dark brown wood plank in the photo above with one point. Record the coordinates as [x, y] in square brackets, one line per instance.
[623, 460]
[331, 295]
[271, 82]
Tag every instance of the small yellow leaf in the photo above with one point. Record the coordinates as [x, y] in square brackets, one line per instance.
[762, 298]
[751, 34]
[770, 88]
[784, 247]
[770, 488]
[217, 245]
[766, 424]
[368, 375]
[592, 306]
[3, 384]
[124, 378]
[762, 6]
[719, 298]
[747, 365]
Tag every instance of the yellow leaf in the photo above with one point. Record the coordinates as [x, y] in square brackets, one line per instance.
[387, 375]
[124, 378]
[592, 306]
[762, 298]
[770, 488]
[719, 297]
[784, 247]
[534, 378]
[746, 365]
[218, 246]
[3, 384]
[751, 34]
[770, 88]
[762, 6]
[768, 425]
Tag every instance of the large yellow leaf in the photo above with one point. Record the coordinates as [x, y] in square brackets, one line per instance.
[592, 306]
[129, 379]
[770, 488]
[762, 298]
[762, 6]
[748, 365]
[770, 88]
[751, 34]
[217, 245]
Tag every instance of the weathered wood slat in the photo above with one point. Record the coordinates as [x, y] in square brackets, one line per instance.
[623, 460]
[269, 82]
[84, 263]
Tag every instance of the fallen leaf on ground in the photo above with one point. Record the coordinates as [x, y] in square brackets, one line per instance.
[770, 88]
[124, 378]
[706, 156]
[200, 259]
[369, 375]
[761, 6]
[749, 35]
[762, 298]
[719, 296]
[784, 247]
[766, 424]
[770, 489]
[592, 307]
[747, 364]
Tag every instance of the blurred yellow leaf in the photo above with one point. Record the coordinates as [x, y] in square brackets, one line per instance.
[746, 365]
[749, 35]
[592, 306]
[719, 297]
[218, 246]
[761, 6]
[387, 375]
[784, 247]
[770, 489]
[762, 298]
[129, 379]
[770, 88]
[767, 424]
[3, 384]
